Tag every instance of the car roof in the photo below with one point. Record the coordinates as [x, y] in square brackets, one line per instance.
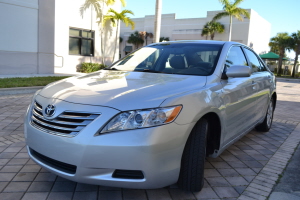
[197, 42]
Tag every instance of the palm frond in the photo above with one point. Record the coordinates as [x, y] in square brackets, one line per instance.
[126, 12]
[226, 3]
[236, 3]
[220, 15]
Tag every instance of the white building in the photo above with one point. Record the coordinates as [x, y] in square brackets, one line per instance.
[254, 32]
[47, 36]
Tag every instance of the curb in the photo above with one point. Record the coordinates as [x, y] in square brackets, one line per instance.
[19, 90]
[261, 187]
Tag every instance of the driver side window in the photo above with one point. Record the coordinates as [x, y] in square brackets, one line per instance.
[235, 56]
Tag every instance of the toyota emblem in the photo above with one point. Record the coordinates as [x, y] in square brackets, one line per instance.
[50, 110]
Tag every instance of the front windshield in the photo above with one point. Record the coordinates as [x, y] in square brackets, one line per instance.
[172, 58]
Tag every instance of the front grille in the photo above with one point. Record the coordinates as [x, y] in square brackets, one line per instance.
[61, 166]
[128, 174]
[68, 123]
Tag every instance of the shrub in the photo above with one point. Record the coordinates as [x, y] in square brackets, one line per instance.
[91, 67]
[297, 75]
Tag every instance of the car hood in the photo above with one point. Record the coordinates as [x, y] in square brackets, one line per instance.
[122, 90]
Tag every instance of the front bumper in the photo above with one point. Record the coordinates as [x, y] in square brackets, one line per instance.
[155, 151]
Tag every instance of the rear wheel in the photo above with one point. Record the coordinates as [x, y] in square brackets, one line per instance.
[267, 123]
[193, 158]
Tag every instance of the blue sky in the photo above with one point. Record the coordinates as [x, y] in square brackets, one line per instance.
[284, 15]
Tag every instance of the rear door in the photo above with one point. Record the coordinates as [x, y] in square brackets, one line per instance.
[263, 79]
[238, 98]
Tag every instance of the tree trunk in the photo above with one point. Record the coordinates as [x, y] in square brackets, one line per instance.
[297, 52]
[116, 43]
[212, 36]
[281, 55]
[101, 35]
[230, 28]
[157, 22]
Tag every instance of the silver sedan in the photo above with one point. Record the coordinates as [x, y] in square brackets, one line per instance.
[151, 118]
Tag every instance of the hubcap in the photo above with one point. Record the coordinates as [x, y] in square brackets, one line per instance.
[270, 114]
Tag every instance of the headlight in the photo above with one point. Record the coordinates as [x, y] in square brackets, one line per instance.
[142, 118]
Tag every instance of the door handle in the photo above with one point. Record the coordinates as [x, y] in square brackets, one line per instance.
[253, 85]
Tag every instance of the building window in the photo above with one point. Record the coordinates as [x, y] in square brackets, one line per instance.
[81, 42]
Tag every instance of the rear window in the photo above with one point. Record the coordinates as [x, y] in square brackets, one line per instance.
[175, 58]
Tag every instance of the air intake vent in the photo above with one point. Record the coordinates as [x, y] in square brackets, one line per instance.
[61, 166]
[69, 123]
[128, 174]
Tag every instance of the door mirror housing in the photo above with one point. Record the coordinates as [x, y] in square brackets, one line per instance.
[238, 71]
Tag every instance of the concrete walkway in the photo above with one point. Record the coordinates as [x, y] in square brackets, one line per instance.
[248, 169]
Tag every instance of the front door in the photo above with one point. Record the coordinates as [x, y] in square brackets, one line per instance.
[238, 97]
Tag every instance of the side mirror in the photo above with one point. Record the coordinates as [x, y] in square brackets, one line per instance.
[238, 71]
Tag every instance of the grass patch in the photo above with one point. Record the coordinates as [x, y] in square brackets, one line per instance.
[29, 82]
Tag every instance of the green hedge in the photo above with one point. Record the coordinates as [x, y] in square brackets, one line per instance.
[91, 67]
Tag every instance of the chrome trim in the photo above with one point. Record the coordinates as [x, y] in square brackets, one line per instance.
[40, 122]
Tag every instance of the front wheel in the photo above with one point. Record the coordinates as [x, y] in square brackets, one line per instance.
[266, 125]
[193, 158]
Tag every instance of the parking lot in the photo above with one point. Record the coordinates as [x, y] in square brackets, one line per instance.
[246, 170]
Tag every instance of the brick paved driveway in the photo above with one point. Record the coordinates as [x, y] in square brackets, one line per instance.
[246, 170]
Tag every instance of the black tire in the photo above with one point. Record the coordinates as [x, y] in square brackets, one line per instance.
[267, 123]
[193, 158]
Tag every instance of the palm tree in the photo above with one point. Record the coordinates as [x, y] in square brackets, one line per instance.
[232, 10]
[99, 6]
[145, 35]
[135, 39]
[210, 28]
[115, 19]
[295, 37]
[282, 41]
[164, 39]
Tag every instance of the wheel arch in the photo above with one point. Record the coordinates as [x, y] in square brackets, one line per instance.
[214, 133]
[274, 97]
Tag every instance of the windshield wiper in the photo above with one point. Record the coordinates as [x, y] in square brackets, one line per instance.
[111, 69]
[149, 70]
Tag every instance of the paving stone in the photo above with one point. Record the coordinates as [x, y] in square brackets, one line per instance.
[253, 164]
[60, 196]
[35, 196]
[245, 171]
[228, 172]
[14, 168]
[81, 187]
[85, 195]
[217, 181]
[3, 185]
[206, 193]
[17, 187]
[40, 186]
[220, 165]
[45, 177]
[11, 196]
[226, 192]
[237, 181]
[115, 195]
[18, 161]
[237, 164]
[158, 194]
[24, 176]
[211, 173]
[64, 186]
[31, 168]
[134, 194]
[7, 176]
[240, 189]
